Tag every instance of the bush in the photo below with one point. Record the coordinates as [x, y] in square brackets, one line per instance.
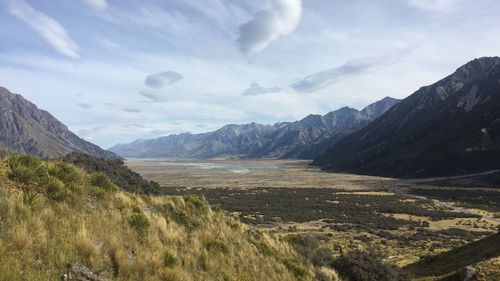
[196, 202]
[56, 189]
[102, 181]
[263, 248]
[115, 169]
[305, 244]
[322, 257]
[366, 266]
[216, 246]
[26, 169]
[294, 267]
[170, 260]
[156, 186]
[182, 218]
[139, 221]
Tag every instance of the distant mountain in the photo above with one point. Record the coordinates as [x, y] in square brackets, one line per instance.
[26, 129]
[449, 128]
[304, 139]
[315, 134]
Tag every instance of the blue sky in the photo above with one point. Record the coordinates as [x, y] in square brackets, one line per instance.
[119, 70]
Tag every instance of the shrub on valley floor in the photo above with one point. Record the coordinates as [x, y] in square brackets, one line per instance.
[360, 265]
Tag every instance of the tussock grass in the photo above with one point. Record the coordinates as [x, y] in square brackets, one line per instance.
[53, 213]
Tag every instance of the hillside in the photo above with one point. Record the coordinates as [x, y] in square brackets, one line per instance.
[303, 139]
[449, 128]
[24, 128]
[478, 253]
[115, 169]
[54, 214]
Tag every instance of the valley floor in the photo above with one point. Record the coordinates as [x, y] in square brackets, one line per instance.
[405, 219]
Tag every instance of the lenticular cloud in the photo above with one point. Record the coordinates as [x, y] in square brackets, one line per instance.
[160, 80]
[267, 25]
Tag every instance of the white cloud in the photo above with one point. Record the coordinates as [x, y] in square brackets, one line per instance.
[434, 5]
[45, 26]
[84, 105]
[256, 89]
[132, 110]
[323, 79]
[280, 19]
[160, 80]
[156, 97]
[98, 5]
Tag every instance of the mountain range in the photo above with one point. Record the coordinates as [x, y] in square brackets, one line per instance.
[449, 128]
[304, 139]
[24, 128]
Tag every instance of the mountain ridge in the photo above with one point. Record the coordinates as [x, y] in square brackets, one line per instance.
[24, 128]
[302, 139]
[451, 127]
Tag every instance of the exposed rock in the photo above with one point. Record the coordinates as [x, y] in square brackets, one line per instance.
[24, 128]
[79, 272]
[434, 132]
[468, 273]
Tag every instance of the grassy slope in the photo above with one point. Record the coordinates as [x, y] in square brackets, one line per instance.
[52, 214]
[454, 260]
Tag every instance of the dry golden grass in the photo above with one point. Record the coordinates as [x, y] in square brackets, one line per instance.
[132, 237]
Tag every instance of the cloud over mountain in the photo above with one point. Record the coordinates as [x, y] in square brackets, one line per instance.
[323, 79]
[162, 79]
[267, 25]
[256, 89]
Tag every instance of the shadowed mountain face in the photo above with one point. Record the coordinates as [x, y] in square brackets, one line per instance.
[304, 139]
[449, 128]
[26, 129]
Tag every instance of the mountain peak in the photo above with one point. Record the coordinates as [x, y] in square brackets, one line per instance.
[27, 129]
[479, 66]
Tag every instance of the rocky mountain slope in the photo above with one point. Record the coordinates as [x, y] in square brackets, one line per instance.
[303, 139]
[25, 128]
[449, 128]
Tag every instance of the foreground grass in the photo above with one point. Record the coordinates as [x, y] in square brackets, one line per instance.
[53, 214]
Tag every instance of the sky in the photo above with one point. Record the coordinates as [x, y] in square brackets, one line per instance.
[118, 70]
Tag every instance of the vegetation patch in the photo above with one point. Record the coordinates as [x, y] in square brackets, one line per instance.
[216, 246]
[115, 169]
[139, 221]
[481, 199]
[366, 266]
[453, 260]
[123, 236]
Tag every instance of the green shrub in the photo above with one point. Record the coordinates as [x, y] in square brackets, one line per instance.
[99, 193]
[295, 268]
[155, 186]
[139, 221]
[101, 180]
[115, 169]
[263, 248]
[215, 246]
[56, 189]
[196, 202]
[366, 266]
[170, 260]
[68, 174]
[26, 169]
[322, 257]
[182, 218]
